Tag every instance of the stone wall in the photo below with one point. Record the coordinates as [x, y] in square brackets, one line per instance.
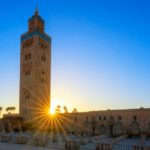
[133, 122]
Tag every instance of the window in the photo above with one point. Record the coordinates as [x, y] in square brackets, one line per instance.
[42, 80]
[134, 118]
[28, 43]
[43, 77]
[27, 57]
[119, 117]
[27, 96]
[43, 73]
[27, 72]
[104, 118]
[100, 118]
[43, 45]
[43, 58]
[75, 119]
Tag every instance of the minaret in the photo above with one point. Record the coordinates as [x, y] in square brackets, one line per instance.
[35, 70]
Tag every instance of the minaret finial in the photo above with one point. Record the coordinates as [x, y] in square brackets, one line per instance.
[36, 11]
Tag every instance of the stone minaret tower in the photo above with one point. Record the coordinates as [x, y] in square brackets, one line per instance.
[35, 70]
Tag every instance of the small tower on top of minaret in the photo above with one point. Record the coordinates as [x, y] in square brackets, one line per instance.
[35, 69]
[36, 23]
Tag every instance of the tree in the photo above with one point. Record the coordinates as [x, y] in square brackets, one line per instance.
[9, 109]
[75, 110]
[141, 107]
[65, 109]
[58, 109]
[12, 108]
[1, 108]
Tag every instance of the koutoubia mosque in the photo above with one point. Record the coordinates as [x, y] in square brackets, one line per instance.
[35, 79]
[35, 69]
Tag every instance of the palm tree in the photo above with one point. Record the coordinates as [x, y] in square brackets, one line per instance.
[9, 109]
[1, 108]
[58, 109]
[12, 108]
[65, 109]
[75, 110]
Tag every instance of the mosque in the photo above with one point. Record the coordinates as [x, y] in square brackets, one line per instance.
[35, 80]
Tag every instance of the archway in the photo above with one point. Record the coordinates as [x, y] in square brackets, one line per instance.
[134, 128]
[118, 129]
[102, 129]
[87, 127]
[148, 130]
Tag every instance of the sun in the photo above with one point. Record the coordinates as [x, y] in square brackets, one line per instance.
[52, 111]
[52, 107]
[54, 103]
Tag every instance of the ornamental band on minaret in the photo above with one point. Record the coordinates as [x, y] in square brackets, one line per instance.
[35, 69]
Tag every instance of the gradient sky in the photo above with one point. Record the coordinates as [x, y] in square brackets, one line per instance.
[100, 51]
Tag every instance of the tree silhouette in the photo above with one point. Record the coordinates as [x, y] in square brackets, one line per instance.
[58, 109]
[65, 109]
[1, 108]
[12, 108]
[75, 110]
[9, 109]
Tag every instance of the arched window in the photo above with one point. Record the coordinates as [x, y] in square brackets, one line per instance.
[27, 72]
[75, 119]
[102, 129]
[148, 130]
[42, 80]
[118, 129]
[119, 117]
[43, 73]
[27, 96]
[135, 128]
[87, 124]
[43, 77]
[134, 118]
[43, 57]
[28, 43]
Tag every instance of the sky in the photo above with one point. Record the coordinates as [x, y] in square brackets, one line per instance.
[100, 51]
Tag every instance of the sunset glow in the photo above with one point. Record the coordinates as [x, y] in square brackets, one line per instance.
[54, 104]
[52, 111]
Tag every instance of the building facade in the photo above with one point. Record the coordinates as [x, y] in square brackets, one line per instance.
[131, 122]
[35, 69]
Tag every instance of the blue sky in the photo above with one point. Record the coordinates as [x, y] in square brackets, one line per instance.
[100, 51]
